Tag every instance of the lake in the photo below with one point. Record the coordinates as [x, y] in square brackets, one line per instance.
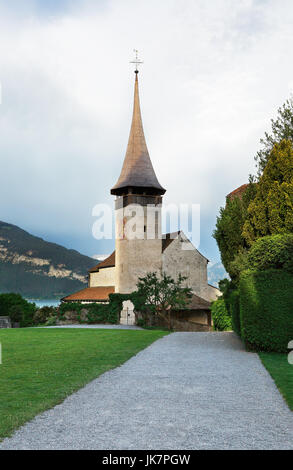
[45, 303]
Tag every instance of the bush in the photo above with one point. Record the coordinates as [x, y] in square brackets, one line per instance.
[98, 313]
[231, 299]
[141, 322]
[239, 264]
[272, 252]
[266, 310]
[235, 311]
[101, 313]
[90, 313]
[42, 314]
[17, 308]
[51, 321]
[220, 316]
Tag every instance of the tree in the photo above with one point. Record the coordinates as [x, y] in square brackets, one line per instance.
[271, 211]
[162, 294]
[229, 227]
[272, 252]
[282, 128]
[17, 308]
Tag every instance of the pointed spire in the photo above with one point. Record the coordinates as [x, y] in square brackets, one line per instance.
[137, 171]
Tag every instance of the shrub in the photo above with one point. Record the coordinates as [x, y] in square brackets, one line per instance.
[235, 311]
[90, 313]
[42, 314]
[101, 313]
[17, 308]
[51, 321]
[227, 287]
[239, 264]
[272, 252]
[69, 307]
[141, 322]
[220, 316]
[98, 313]
[266, 310]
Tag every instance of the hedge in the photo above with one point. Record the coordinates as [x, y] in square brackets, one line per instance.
[220, 315]
[272, 252]
[266, 309]
[234, 299]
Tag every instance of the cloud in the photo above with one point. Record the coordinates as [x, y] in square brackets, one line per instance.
[214, 75]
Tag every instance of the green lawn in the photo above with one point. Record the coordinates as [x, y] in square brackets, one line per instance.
[40, 367]
[282, 373]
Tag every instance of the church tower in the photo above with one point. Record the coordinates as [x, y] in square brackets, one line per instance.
[137, 210]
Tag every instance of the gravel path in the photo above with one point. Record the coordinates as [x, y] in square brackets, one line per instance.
[185, 391]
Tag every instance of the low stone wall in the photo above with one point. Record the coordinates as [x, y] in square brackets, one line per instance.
[5, 322]
[71, 318]
[185, 320]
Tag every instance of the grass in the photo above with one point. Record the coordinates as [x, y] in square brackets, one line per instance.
[41, 367]
[282, 373]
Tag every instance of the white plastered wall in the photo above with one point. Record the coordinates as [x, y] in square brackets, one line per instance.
[104, 277]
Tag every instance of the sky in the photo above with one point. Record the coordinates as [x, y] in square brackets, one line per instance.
[214, 75]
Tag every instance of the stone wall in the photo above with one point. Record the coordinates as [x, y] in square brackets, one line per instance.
[186, 320]
[181, 257]
[213, 293]
[5, 322]
[135, 257]
[104, 277]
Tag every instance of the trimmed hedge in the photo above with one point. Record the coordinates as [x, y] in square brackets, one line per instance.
[266, 310]
[234, 299]
[272, 252]
[220, 315]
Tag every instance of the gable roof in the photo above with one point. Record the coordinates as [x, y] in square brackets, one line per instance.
[198, 303]
[91, 294]
[110, 261]
[238, 192]
[168, 238]
[107, 263]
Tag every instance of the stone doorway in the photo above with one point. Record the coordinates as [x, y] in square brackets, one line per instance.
[127, 315]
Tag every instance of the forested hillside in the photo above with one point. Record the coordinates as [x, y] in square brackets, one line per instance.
[38, 269]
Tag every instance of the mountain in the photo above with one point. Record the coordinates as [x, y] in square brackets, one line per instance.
[216, 272]
[38, 269]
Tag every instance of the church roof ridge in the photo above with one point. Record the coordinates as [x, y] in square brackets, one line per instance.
[137, 170]
[109, 262]
[91, 294]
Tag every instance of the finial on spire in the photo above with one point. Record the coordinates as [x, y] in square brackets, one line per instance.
[136, 61]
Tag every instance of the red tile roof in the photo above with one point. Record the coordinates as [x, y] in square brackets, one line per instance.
[107, 263]
[198, 303]
[237, 192]
[91, 294]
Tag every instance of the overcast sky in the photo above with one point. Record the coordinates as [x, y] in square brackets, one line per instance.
[214, 74]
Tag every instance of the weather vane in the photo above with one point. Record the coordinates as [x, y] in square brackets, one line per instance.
[136, 61]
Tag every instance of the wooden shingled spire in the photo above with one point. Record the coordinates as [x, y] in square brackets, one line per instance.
[137, 173]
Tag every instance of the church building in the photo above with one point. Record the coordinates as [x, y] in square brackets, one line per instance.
[139, 192]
